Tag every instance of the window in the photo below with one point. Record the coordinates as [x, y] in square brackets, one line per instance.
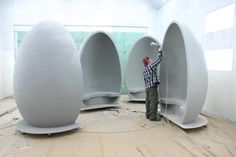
[220, 19]
[219, 60]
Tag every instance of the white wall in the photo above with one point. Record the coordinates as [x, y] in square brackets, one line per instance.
[221, 97]
[7, 49]
[1, 75]
[1, 78]
[184, 11]
[100, 12]
[68, 12]
[1, 68]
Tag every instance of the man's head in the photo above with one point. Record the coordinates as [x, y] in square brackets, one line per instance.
[146, 60]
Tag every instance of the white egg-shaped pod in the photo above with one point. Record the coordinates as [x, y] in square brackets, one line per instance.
[101, 71]
[48, 80]
[134, 69]
[183, 76]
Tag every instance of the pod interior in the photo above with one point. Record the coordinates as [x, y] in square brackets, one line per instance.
[101, 71]
[134, 75]
[173, 69]
[183, 77]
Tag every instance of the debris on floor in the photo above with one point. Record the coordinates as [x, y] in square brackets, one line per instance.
[122, 131]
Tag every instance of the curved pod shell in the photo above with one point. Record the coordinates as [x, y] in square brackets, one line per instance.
[134, 75]
[183, 76]
[101, 71]
[48, 77]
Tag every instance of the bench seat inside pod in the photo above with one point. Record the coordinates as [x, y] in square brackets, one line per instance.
[183, 77]
[48, 80]
[134, 70]
[101, 71]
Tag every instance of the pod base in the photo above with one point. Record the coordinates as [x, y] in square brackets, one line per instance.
[23, 127]
[200, 121]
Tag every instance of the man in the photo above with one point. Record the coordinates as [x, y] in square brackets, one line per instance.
[151, 83]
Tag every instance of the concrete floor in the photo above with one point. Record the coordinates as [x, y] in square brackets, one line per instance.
[118, 132]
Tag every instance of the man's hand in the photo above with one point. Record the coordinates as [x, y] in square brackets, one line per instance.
[160, 50]
[154, 44]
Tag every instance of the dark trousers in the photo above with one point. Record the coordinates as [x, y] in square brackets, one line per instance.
[151, 102]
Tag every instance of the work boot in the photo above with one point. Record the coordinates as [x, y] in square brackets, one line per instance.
[158, 118]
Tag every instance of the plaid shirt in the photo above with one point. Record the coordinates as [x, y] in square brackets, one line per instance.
[150, 73]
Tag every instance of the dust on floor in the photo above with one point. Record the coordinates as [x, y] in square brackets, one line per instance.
[122, 132]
